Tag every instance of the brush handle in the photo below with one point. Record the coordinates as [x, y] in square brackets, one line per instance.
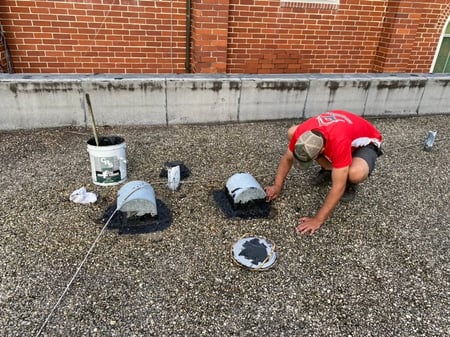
[94, 128]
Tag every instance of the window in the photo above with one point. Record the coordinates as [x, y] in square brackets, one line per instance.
[324, 4]
[442, 59]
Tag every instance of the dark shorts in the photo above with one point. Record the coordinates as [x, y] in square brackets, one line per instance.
[369, 153]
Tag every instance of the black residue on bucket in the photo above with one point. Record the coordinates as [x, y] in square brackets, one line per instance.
[138, 224]
[106, 141]
[257, 208]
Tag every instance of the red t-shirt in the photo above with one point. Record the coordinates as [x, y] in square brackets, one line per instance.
[343, 132]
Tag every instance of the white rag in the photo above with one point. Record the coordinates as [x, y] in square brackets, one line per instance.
[80, 196]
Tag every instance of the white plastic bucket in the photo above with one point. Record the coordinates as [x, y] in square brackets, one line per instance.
[243, 188]
[137, 198]
[108, 160]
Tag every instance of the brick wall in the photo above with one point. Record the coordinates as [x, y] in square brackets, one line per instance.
[96, 36]
[227, 36]
[410, 36]
[432, 22]
[270, 39]
[362, 36]
[209, 36]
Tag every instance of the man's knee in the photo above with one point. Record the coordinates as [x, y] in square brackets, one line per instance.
[358, 171]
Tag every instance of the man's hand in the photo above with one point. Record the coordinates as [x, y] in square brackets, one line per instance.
[339, 179]
[272, 192]
[308, 225]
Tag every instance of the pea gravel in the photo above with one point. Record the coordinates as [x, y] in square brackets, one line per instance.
[378, 267]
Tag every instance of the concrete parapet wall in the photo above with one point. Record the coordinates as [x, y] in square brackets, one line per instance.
[37, 101]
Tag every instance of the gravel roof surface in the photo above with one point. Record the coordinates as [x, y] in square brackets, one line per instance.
[378, 267]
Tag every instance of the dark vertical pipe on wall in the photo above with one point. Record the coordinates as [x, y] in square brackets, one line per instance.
[9, 64]
[188, 37]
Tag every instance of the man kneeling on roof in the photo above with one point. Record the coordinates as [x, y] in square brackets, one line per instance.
[346, 147]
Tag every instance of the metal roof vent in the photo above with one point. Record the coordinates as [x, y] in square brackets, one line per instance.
[137, 210]
[137, 198]
[243, 188]
[242, 197]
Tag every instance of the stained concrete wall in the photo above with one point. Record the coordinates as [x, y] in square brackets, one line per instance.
[37, 101]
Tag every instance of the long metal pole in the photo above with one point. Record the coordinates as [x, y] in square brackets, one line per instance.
[188, 37]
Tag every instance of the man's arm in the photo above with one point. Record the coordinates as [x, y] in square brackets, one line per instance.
[272, 192]
[339, 182]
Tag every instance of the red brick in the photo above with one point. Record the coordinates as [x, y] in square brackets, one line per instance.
[247, 36]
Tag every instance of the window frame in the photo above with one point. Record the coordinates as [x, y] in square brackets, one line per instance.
[444, 35]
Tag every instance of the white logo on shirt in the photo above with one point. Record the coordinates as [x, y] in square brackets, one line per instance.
[331, 117]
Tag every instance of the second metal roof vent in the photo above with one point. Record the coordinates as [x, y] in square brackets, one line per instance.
[242, 197]
[243, 188]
